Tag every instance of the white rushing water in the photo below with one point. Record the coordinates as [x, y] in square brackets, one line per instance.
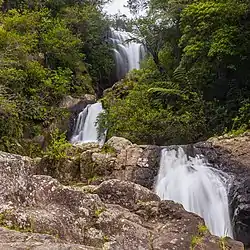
[127, 54]
[198, 187]
[86, 127]
[127, 57]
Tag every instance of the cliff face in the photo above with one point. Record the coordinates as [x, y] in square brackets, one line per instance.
[37, 212]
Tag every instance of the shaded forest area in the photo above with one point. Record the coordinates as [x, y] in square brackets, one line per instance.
[48, 49]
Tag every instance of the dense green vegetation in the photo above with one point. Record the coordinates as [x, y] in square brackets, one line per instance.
[195, 82]
[48, 49]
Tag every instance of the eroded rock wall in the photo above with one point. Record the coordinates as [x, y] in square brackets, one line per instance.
[119, 159]
[232, 155]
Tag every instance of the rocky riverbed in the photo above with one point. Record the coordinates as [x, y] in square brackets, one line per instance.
[95, 199]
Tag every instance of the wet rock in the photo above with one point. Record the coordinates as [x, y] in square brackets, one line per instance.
[74, 106]
[40, 213]
[232, 155]
[148, 165]
[239, 197]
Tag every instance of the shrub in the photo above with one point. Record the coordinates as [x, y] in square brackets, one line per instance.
[58, 146]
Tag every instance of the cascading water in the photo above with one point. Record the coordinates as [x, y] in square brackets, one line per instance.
[127, 54]
[86, 128]
[128, 57]
[198, 187]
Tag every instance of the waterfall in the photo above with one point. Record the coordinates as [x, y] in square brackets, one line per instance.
[127, 54]
[127, 57]
[86, 128]
[198, 187]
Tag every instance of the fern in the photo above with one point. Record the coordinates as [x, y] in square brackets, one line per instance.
[180, 75]
[166, 93]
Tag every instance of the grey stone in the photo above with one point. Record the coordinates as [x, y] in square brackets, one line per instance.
[37, 212]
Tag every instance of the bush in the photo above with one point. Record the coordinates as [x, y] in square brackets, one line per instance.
[58, 146]
[151, 114]
[242, 120]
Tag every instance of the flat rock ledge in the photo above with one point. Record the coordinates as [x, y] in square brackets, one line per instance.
[37, 212]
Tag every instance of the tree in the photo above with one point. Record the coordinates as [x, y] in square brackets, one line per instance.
[48, 49]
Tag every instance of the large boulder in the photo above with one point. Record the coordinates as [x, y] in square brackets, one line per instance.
[118, 159]
[118, 143]
[77, 104]
[138, 164]
[232, 155]
[130, 194]
[37, 212]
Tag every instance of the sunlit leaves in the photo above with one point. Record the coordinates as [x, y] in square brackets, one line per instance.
[210, 27]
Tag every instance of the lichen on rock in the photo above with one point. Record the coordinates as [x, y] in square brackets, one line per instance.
[38, 212]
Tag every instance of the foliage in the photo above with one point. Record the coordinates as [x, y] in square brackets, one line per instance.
[99, 211]
[222, 243]
[158, 115]
[106, 239]
[107, 149]
[195, 81]
[48, 49]
[196, 240]
[10, 127]
[58, 147]
[242, 120]
[214, 59]
[202, 229]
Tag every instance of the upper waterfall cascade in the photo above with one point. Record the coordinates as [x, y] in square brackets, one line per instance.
[198, 187]
[127, 57]
[128, 54]
[86, 128]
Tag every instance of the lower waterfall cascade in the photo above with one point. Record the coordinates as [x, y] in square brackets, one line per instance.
[199, 188]
[86, 128]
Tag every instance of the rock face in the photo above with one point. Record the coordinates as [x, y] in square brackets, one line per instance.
[119, 159]
[135, 163]
[13, 240]
[37, 212]
[232, 155]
